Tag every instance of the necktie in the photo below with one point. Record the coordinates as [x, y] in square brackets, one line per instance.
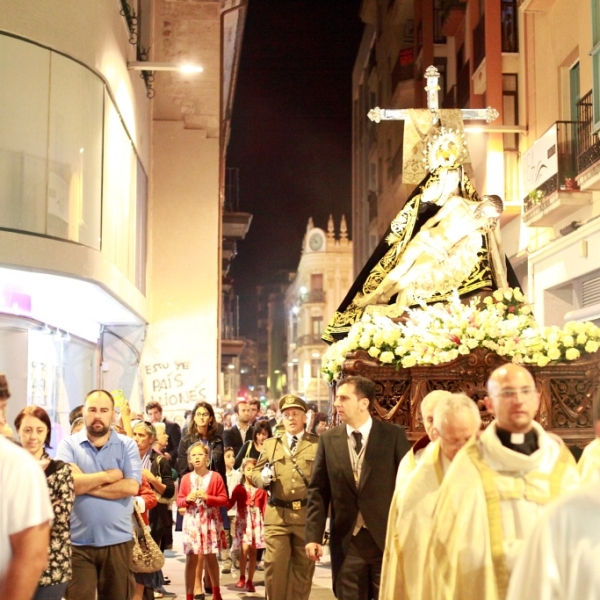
[357, 441]
[294, 444]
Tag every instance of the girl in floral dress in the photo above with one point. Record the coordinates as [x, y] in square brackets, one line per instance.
[201, 493]
[249, 528]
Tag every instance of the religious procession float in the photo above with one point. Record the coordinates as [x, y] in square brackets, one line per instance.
[438, 306]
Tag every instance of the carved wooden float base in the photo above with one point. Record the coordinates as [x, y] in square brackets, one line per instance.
[567, 390]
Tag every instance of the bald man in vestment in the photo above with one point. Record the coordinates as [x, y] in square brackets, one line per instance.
[493, 494]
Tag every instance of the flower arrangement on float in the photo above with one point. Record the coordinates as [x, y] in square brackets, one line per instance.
[439, 333]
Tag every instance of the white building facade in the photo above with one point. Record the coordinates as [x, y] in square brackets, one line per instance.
[323, 278]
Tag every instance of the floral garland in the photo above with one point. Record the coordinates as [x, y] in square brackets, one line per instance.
[439, 333]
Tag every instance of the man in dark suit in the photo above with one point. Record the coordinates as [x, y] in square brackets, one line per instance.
[354, 475]
[242, 431]
[154, 411]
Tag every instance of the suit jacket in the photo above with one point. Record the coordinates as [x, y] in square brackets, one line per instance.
[287, 484]
[232, 437]
[332, 486]
[174, 432]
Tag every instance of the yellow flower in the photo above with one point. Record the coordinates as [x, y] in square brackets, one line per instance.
[553, 353]
[409, 361]
[498, 295]
[581, 339]
[518, 295]
[543, 361]
[591, 346]
[568, 341]
[572, 354]
[374, 352]
[387, 357]
[365, 341]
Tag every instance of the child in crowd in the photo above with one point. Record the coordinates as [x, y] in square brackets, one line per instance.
[249, 528]
[233, 478]
[201, 493]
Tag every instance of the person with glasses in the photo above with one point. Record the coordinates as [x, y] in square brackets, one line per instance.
[494, 493]
[203, 428]
[284, 468]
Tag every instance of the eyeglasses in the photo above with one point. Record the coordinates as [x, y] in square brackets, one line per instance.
[202, 414]
[511, 393]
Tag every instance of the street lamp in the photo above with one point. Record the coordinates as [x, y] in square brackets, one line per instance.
[146, 65]
[148, 69]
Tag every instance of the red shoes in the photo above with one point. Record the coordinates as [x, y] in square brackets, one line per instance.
[250, 586]
[241, 583]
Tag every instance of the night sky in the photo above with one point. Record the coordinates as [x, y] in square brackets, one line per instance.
[291, 132]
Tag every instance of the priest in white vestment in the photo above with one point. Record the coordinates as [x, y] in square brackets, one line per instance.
[589, 463]
[561, 558]
[493, 494]
[456, 420]
[410, 460]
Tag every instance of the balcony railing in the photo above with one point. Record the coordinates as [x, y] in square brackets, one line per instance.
[564, 178]
[312, 296]
[230, 320]
[588, 145]
[232, 190]
[312, 339]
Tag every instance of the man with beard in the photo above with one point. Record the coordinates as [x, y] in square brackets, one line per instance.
[107, 473]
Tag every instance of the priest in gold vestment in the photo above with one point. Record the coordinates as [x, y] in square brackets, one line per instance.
[589, 463]
[456, 420]
[493, 494]
[409, 463]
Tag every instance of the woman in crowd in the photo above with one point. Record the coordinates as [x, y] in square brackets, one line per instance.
[201, 493]
[34, 430]
[156, 469]
[203, 428]
[252, 448]
[145, 582]
[319, 424]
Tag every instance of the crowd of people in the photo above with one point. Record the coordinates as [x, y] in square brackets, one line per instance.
[465, 513]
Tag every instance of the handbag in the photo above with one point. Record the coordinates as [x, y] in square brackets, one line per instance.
[146, 556]
[159, 497]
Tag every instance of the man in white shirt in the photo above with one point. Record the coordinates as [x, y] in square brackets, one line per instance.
[354, 475]
[25, 516]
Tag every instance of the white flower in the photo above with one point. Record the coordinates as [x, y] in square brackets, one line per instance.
[374, 352]
[568, 341]
[591, 346]
[553, 353]
[387, 357]
[365, 341]
[572, 354]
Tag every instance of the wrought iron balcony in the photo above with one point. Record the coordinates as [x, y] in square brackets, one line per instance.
[312, 297]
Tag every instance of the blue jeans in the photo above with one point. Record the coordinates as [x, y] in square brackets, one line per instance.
[51, 592]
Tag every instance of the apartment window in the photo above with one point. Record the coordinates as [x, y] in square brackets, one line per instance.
[574, 92]
[596, 61]
[317, 326]
[510, 108]
[316, 282]
[510, 32]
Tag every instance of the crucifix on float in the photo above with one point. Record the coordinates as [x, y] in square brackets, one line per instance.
[432, 75]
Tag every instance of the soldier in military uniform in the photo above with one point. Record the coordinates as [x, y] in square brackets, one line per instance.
[284, 468]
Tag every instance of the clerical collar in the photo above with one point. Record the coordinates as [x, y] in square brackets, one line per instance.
[525, 443]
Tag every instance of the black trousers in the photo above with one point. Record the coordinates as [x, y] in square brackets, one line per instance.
[360, 573]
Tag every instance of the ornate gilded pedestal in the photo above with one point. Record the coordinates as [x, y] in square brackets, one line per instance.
[567, 390]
